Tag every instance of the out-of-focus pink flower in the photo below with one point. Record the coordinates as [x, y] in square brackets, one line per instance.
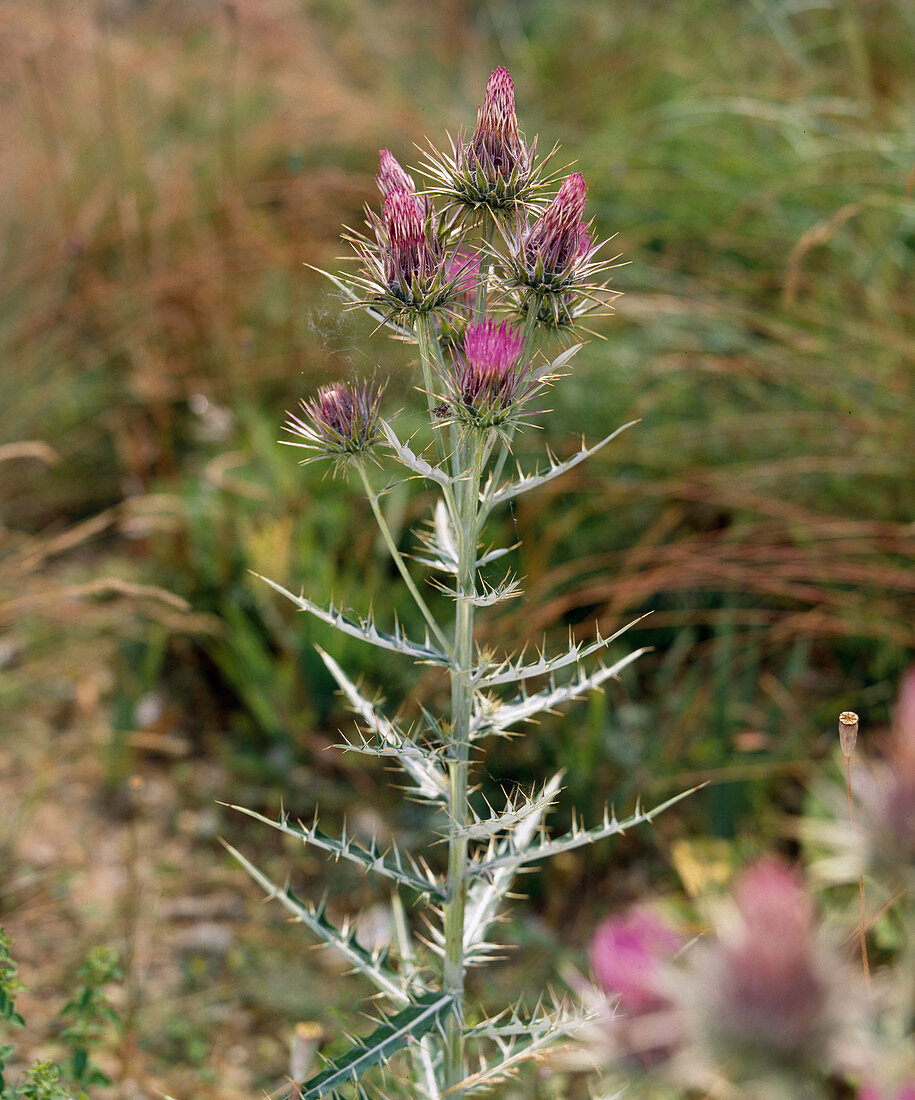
[465, 268]
[872, 1092]
[769, 991]
[391, 177]
[627, 952]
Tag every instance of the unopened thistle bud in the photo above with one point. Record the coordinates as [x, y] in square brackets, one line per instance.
[496, 167]
[391, 177]
[411, 258]
[341, 422]
[489, 379]
[406, 269]
[551, 266]
[558, 237]
[496, 144]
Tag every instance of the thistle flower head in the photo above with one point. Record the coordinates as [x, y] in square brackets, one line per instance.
[489, 379]
[630, 954]
[558, 237]
[465, 270]
[340, 422]
[495, 168]
[407, 261]
[551, 267]
[411, 258]
[391, 177]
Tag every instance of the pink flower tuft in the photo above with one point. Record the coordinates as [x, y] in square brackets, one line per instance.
[339, 421]
[465, 267]
[487, 373]
[626, 956]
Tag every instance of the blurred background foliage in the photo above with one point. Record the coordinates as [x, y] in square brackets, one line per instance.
[171, 166]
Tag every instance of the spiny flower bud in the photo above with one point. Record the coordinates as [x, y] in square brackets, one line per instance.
[558, 237]
[391, 177]
[340, 422]
[496, 144]
[411, 257]
[550, 266]
[495, 168]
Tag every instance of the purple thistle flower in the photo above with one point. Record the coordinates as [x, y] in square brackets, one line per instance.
[558, 237]
[488, 374]
[496, 144]
[340, 422]
[410, 256]
[391, 177]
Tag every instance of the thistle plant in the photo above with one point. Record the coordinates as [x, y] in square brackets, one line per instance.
[479, 272]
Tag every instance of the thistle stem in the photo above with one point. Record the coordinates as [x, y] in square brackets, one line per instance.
[397, 558]
[430, 353]
[471, 454]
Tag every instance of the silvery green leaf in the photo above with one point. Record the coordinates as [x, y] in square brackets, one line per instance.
[390, 864]
[558, 365]
[431, 780]
[371, 964]
[440, 542]
[494, 555]
[511, 855]
[365, 628]
[518, 809]
[510, 672]
[413, 461]
[521, 1042]
[484, 894]
[407, 1027]
[491, 497]
[494, 716]
[489, 595]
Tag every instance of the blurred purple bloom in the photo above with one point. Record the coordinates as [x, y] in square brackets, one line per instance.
[627, 952]
[769, 989]
[465, 268]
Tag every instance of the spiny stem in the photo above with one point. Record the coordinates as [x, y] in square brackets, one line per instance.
[471, 454]
[397, 558]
